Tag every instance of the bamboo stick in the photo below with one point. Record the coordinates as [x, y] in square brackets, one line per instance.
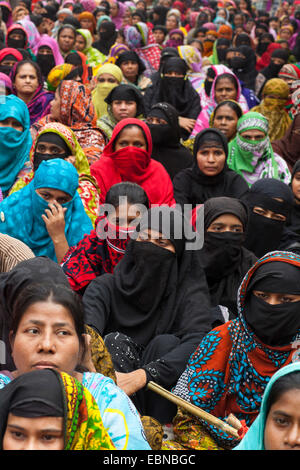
[193, 409]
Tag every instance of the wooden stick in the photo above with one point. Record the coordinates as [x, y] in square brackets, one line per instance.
[193, 409]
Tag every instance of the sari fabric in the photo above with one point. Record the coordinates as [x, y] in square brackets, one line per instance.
[57, 74]
[231, 367]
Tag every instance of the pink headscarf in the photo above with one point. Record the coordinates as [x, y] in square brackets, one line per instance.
[48, 41]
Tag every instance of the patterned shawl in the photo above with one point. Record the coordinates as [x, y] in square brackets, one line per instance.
[231, 368]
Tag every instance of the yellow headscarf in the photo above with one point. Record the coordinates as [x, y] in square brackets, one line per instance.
[102, 90]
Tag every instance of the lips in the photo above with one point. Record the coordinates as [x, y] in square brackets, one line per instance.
[44, 365]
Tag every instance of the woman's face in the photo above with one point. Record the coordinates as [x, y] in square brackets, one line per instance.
[285, 34]
[282, 429]
[54, 196]
[122, 109]
[225, 120]
[226, 223]
[130, 70]
[156, 238]
[9, 62]
[171, 23]
[225, 90]
[80, 43]
[114, 10]
[125, 214]
[159, 36]
[12, 122]
[253, 134]
[222, 14]
[296, 186]
[273, 298]
[43, 433]
[107, 78]
[211, 160]
[86, 23]
[131, 136]
[66, 40]
[46, 338]
[55, 106]
[26, 81]
[243, 5]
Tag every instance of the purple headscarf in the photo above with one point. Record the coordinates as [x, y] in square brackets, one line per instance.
[7, 81]
[118, 20]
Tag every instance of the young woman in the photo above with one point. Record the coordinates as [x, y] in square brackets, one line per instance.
[28, 86]
[8, 58]
[101, 250]
[229, 371]
[47, 214]
[209, 176]
[251, 154]
[48, 55]
[38, 343]
[157, 314]
[127, 157]
[132, 68]
[107, 77]
[83, 43]
[225, 118]
[277, 425]
[41, 409]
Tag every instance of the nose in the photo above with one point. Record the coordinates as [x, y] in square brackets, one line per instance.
[293, 436]
[46, 343]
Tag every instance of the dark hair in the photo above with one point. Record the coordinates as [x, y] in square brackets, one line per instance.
[283, 384]
[66, 26]
[71, 20]
[135, 194]
[129, 126]
[228, 76]
[78, 8]
[33, 64]
[234, 106]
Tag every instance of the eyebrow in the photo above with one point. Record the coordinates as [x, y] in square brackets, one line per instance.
[40, 323]
[19, 428]
[281, 413]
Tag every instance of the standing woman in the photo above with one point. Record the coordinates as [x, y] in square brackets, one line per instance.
[225, 118]
[28, 85]
[127, 157]
[66, 38]
[209, 176]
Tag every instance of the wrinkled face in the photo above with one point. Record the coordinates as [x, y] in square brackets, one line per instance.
[66, 39]
[26, 80]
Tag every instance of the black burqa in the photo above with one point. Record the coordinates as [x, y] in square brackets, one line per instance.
[244, 67]
[107, 37]
[192, 186]
[224, 259]
[265, 234]
[167, 148]
[35, 270]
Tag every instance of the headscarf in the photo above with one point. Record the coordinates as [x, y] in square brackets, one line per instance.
[225, 31]
[231, 367]
[252, 159]
[219, 54]
[94, 56]
[57, 74]
[42, 393]
[133, 57]
[288, 146]
[8, 21]
[7, 82]
[101, 91]
[80, 62]
[10, 51]
[89, 16]
[21, 211]
[141, 40]
[133, 164]
[14, 144]
[245, 68]
[254, 438]
[31, 32]
[107, 37]
[115, 51]
[77, 109]
[118, 19]
[127, 93]
[273, 108]
[52, 44]
[89, 5]
[175, 42]
[265, 59]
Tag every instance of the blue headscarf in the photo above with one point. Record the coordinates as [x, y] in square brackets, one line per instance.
[14, 144]
[21, 212]
[254, 438]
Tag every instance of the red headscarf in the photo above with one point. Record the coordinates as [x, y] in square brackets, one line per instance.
[265, 59]
[135, 165]
[10, 51]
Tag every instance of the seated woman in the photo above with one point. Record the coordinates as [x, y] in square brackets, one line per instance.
[173, 87]
[49, 304]
[8, 58]
[127, 157]
[224, 258]
[274, 428]
[12, 252]
[152, 317]
[73, 107]
[193, 59]
[66, 37]
[56, 140]
[293, 222]
[28, 85]
[251, 154]
[132, 68]
[124, 101]
[269, 202]
[107, 35]
[209, 176]
[17, 38]
[47, 214]
[163, 122]
[15, 140]
[84, 41]
[274, 97]
[288, 146]
[107, 77]
[225, 118]
[233, 364]
[48, 55]
[40, 409]
[101, 250]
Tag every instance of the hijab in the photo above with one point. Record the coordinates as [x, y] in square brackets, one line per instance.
[127, 93]
[133, 57]
[244, 68]
[288, 146]
[15, 145]
[94, 57]
[52, 44]
[22, 211]
[107, 37]
[102, 90]
[264, 234]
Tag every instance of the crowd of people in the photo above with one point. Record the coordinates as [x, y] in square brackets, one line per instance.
[149, 225]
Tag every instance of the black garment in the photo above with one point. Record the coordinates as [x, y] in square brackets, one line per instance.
[107, 37]
[167, 148]
[275, 325]
[46, 63]
[133, 57]
[266, 234]
[224, 259]
[293, 223]
[191, 186]
[127, 93]
[162, 12]
[174, 90]
[52, 138]
[32, 395]
[263, 45]
[134, 302]
[221, 51]
[245, 69]
[35, 270]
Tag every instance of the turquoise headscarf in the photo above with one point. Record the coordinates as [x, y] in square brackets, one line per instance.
[21, 212]
[254, 439]
[14, 144]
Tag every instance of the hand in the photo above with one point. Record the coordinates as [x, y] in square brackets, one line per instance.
[187, 123]
[71, 159]
[87, 358]
[132, 381]
[55, 222]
